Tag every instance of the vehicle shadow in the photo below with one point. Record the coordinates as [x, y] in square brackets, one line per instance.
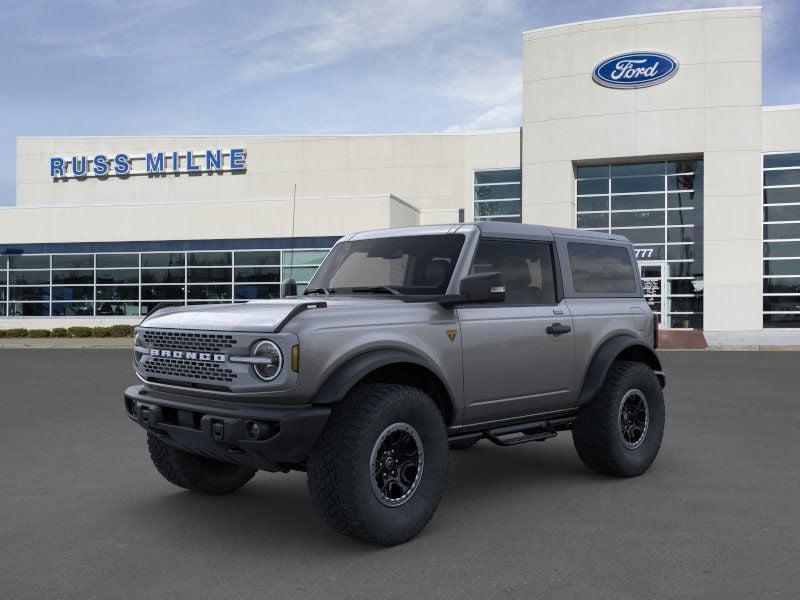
[275, 508]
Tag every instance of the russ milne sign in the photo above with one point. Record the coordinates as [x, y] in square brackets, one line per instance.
[635, 70]
[151, 163]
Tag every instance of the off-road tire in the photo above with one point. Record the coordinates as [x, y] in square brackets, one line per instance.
[340, 477]
[194, 472]
[464, 444]
[597, 434]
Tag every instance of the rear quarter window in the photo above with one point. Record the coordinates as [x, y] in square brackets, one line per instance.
[601, 269]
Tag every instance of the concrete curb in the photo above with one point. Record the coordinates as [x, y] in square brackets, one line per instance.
[737, 348]
[66, 343]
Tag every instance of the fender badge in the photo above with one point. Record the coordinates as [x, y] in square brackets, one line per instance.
[451, 333]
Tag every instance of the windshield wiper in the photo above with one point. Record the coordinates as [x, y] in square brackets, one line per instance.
[375, 289]
[320, 290]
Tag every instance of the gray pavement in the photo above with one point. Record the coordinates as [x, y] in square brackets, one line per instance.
[83, 514]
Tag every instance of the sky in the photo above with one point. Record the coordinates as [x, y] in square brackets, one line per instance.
[160, 67]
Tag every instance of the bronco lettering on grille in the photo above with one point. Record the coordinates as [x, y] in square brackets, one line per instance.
[186, 355]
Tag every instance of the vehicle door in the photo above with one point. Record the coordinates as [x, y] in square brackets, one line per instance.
[517, 355]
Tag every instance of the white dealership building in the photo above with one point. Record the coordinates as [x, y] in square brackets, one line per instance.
[650, 126]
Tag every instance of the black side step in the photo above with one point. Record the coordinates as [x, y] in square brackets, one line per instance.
[537, 431]
[513, 434]
[519, 433]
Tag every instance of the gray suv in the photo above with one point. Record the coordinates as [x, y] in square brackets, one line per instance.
[406, 344]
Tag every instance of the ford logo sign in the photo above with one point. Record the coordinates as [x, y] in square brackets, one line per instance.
[635, 70]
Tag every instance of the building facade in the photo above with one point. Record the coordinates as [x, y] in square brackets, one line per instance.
[649, 126]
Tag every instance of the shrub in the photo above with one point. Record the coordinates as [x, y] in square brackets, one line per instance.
[80, 332]
[59, 332]
[16, 332]
[121, 330]
[39, 333]
[101, 332]
[2, 333]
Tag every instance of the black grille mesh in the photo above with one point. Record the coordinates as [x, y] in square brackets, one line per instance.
[184, 340]
[187, 369]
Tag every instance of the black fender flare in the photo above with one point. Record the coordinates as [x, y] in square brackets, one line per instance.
[353, 370]
[605, 356]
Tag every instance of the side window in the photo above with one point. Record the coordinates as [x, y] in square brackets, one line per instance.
[526, 266]
[601, 269]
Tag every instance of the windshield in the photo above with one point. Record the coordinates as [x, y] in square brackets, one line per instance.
[413, 265]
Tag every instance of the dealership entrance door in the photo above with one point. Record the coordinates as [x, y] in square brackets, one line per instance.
[654, 283]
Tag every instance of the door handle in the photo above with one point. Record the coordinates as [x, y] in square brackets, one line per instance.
[558, 329]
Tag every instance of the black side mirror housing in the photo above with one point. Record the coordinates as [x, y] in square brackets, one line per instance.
[289, 288]
[483, 287]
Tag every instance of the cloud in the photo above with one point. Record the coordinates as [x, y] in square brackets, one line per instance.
[326, 36]
[497, 117]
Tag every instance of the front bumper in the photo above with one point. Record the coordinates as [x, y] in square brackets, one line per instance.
[285, 438]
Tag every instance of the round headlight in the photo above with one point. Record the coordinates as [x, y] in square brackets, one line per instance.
[137, 343]
[272, 360]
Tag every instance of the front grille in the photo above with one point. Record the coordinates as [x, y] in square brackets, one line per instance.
[184, 340]
[187, 369]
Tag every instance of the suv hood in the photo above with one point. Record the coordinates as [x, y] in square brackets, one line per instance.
[259, 315]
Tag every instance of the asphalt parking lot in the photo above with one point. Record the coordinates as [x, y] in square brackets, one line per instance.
[85, 515]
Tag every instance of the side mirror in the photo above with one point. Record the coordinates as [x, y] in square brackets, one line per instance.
[289, 288]
[483, 287]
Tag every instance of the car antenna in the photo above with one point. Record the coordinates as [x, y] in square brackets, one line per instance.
[291, 284]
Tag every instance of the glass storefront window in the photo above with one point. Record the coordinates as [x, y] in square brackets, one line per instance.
[29, 294]
[637, 201]
[593, 221]
[637, 184]
[498, 195]
[119, 292]
[658, 205]
[75, 277]
[209, 292]
[107, 276]
[29, 277]
[306, 260]
[163, 259]
[781, 287]
[73, 309]
[28, 309]
[29, 261]
[213, 275]
[258, 258]
[116, 261]
[258, 274]
[208, 259]
[73, 261]
[162, 292]
[72, 292]
[163, 276]
[113, 284]
[499, 208]
[257, 292]
[299, 274]
[117, 309]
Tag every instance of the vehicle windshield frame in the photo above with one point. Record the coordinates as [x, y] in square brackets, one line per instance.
[452, 245]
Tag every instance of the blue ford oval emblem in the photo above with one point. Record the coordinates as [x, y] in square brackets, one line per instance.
[635, 70]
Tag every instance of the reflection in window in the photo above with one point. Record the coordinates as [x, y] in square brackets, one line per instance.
[497, 195]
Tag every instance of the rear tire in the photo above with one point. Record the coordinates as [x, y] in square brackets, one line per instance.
[378, 470]
[194, 472]
[619, 432]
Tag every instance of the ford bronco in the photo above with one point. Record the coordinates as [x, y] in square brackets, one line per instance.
[407, 343]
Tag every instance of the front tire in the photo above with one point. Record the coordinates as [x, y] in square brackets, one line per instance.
[619, 432]
[378, 470]
[194, 472]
